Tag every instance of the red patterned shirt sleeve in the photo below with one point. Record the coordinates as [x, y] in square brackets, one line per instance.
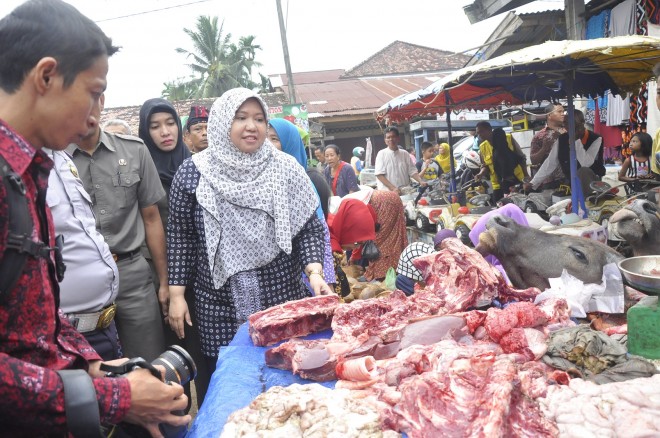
[76, 340]
[35, 340]
[114, 397]
[38, 394]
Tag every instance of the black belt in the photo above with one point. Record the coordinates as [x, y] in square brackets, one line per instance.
[125, 255]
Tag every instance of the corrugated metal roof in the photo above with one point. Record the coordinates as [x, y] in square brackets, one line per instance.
[310, 77]
[518, 31]
[536, 27]
[357, 96]
[397, 69]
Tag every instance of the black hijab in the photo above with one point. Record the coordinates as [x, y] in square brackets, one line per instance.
[505, 160]
[166, 162]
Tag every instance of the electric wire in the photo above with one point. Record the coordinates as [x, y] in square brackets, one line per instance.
[152, 10]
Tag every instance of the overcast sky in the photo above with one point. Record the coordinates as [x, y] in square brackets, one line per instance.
[322, 34]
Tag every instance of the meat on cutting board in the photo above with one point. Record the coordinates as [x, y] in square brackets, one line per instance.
[292, 319]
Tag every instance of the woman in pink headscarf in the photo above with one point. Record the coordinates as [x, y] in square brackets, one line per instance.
[509, 210]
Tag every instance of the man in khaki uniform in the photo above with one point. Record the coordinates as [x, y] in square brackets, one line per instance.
[121, 178]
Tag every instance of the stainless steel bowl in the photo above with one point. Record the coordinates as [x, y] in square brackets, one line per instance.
[642, 273]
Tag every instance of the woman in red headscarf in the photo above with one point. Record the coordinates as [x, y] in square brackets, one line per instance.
[352, 225]
[391, 238]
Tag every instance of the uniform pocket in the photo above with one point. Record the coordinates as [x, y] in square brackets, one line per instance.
[126, 187]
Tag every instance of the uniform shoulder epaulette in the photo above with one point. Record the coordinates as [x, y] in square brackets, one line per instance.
[129, 137]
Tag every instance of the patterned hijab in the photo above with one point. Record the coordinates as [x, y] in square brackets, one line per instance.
[256, 203]
[293, 145]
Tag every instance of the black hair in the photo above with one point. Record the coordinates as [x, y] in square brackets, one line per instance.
[484, 124]
[551, 107]
[41, 28]
[647, 143]
[504, 159]
[392, 129]
[319, 148]
[322, 188]
[334, 147]
[426, 145]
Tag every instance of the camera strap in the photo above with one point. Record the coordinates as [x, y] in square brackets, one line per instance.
[128, 366]
[81, 407]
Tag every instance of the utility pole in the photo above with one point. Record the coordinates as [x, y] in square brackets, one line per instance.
[575, 23]
[285, 49]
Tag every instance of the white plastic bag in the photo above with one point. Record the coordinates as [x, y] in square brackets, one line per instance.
[364, 195]
[582, 298]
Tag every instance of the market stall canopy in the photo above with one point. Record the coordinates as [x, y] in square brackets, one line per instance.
[540, 72]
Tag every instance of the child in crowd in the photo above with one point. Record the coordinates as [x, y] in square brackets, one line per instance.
[406, 273]
[637, 167]
[431, 169]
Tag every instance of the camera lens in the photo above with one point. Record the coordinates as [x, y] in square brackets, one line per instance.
[179, 366]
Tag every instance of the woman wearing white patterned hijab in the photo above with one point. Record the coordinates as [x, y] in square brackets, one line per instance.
[252, 225]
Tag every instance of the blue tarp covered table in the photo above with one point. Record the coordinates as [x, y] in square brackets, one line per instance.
[240, 375]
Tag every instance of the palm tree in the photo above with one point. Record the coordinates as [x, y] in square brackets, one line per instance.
[180, 89]
[218, 64]
[264, 84]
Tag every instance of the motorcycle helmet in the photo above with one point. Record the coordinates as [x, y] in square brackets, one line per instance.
[472, 159]
[358, 151]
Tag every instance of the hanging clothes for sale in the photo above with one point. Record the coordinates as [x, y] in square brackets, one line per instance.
[652, 10]
[597, 27]
[623, 19]
[639, 108]
[618, 109]
[639, 102]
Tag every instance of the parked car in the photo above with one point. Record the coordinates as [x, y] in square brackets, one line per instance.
[460, 147]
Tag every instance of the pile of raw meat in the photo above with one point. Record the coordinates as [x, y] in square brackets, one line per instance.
[621, 409]
[311, 411]
[436, 365]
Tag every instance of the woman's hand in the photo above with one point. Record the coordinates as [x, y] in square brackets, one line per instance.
[179, 314]
[319, 286]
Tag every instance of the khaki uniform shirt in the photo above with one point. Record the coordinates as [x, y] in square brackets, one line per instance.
[121, 178]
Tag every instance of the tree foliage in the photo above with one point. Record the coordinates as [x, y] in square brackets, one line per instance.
[180, 89]
[217, 63]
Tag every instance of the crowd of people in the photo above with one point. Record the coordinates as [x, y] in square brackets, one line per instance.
[181, 232]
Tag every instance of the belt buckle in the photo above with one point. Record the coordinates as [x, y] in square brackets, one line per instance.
[106, 317]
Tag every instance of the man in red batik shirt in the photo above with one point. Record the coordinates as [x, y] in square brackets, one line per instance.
[53, 67]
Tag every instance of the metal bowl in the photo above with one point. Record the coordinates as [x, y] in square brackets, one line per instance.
[637, 272]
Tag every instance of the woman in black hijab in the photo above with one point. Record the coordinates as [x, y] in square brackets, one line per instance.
[160, 129]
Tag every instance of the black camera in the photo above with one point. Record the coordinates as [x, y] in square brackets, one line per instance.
[179, 368]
